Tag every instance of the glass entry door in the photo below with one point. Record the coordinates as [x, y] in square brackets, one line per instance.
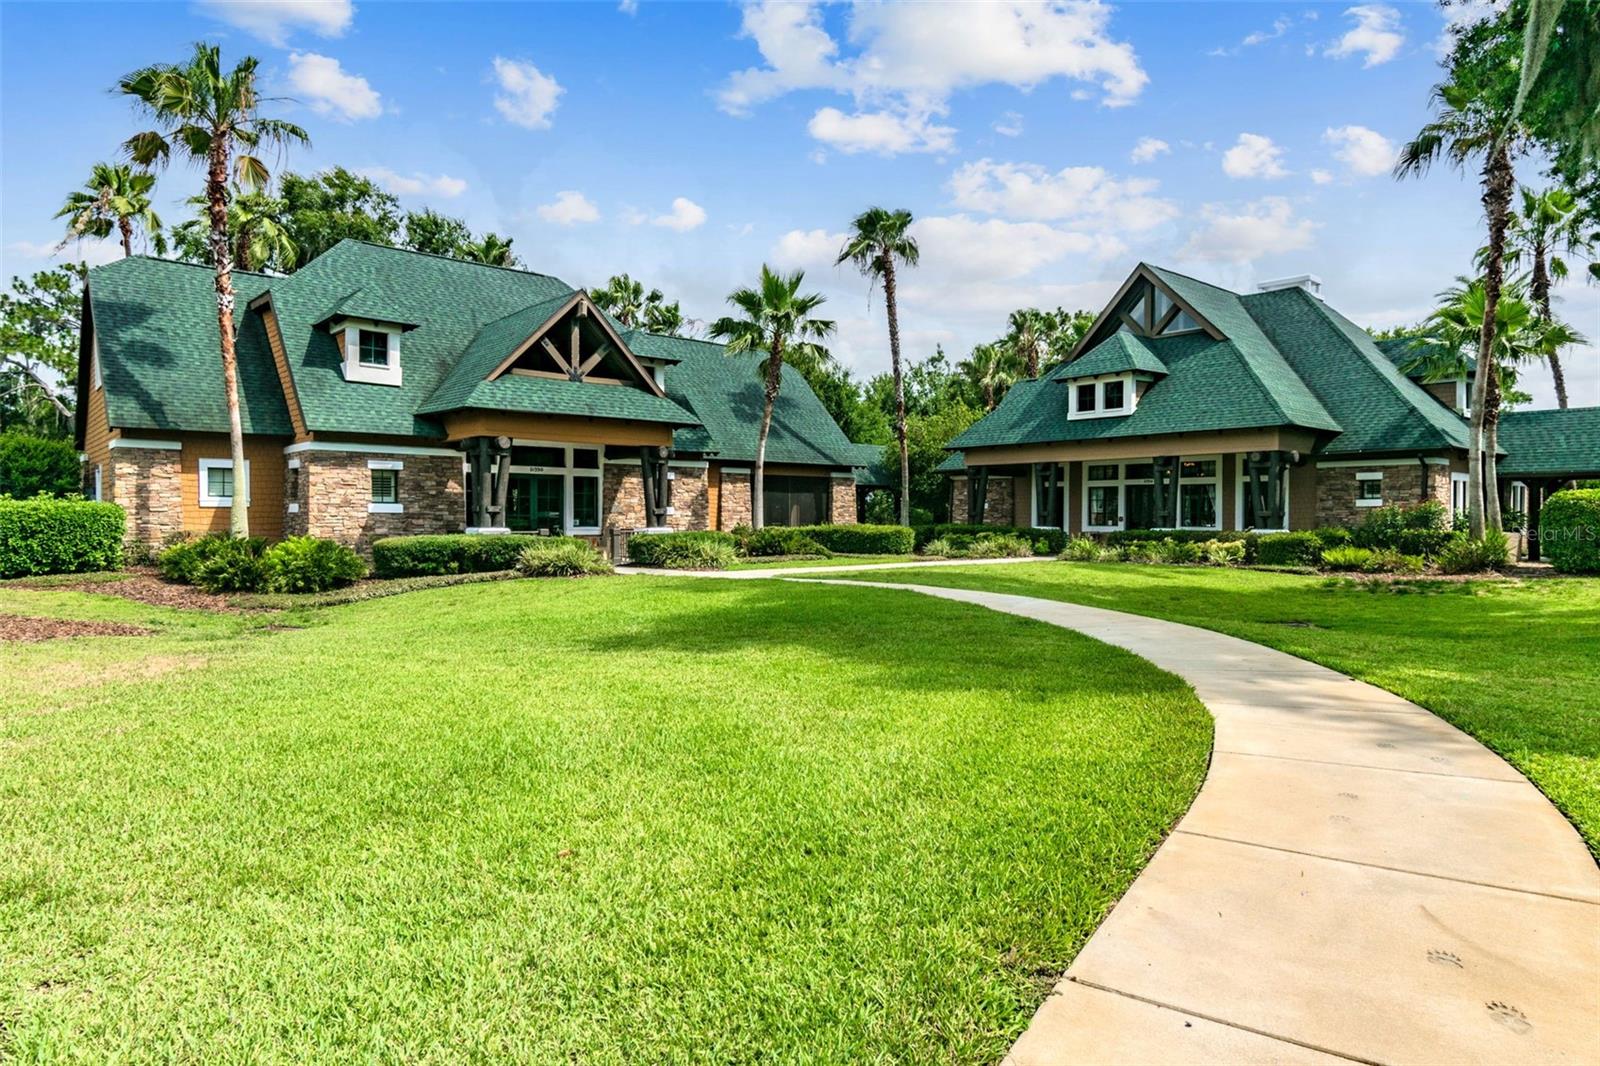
[1141, 507]
[537, 502]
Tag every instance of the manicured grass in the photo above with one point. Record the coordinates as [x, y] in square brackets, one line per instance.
[1516, 664]
[837, 560]
[610, 820]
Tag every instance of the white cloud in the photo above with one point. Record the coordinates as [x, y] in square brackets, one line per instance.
[1260, 228]
[91, 250]
[810, 249]
[1376, 35]
[1366, 152]
[320, 82]
[1253, 156]
[1009, 124]
[528, 97]
[274, 20]
[1148, 148]
[684, 216]
[1321, 177]
[628, 7]
[416, 184]
[569, 208]
[1280, 26]
[909, 59]
[1087, 196]
[883, 132]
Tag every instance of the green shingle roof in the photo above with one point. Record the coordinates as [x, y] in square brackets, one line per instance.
[1551, 443]
[1287, 359]
[488, 350]
[1403, 350]
[725, 393]
[873, 466]
[552, 396]
[160, 358]
[1118, 353]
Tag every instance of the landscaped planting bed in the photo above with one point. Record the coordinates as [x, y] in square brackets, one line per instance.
[604, 820]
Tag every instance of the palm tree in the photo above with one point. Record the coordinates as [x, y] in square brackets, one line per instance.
[258, 231]
[777, 319]
[213, 119]
[878, 239]
[1029, 338]
[115, 197]
[492, 249]
[1468, 127]
[990, 368]
[626, 301]
[1548, 226]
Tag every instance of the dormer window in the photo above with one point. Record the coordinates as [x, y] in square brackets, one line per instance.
[371, 351]
[1106, 396]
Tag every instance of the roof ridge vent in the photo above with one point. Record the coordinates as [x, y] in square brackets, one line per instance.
[1309, 282]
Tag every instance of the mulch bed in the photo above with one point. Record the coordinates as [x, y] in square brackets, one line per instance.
[29, 630]
[146, 586]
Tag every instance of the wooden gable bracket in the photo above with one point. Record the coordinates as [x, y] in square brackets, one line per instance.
[572, 364]
[1142, 274]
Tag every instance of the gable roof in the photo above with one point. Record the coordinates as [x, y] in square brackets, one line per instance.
[1287, 359]
[1120, 352]
[1552, 443]
[159, 349]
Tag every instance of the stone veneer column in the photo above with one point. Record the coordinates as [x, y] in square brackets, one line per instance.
[294, 497]
[999, 507]
[147, 484]
[842, 500]
[735, 500]
[691, 502]
[336, 488]
[622, 497]
[960, 490]
[1402, 486]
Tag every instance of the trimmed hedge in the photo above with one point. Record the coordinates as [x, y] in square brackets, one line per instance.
[862, 539]
[185, 559]
[1289, 549]
[1569, 531]
[50, 536]
[451, 553]
[687, 550]
[36, 466]
[1054, 540]
[776, 540]
[562, 557]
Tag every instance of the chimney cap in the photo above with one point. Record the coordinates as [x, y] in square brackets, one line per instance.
[1309, 282]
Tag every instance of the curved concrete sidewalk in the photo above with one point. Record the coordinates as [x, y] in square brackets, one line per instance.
[1356, 881]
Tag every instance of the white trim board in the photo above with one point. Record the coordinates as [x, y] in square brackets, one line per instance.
[1431, 460]
[366, 449]
[159, 445]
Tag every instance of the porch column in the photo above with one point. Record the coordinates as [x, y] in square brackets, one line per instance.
[653, 472]
[977, 495]
[491, 480]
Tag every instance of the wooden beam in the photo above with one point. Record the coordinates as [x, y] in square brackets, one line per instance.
[1127, 320]
[589, 363]
[572, 367]
[1166, 320]
[555, 353]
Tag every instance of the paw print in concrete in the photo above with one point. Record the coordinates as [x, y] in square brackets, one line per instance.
[1509, 1016]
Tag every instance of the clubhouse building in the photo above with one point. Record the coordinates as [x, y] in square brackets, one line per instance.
[1190, 406]
[387, 392]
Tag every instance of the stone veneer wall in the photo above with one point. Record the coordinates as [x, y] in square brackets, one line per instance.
[336, 488]
[999, 506]
[734, 500]
[1403, 485]
[842, 500]
[294, 498]
[147, 484]
[622, 498]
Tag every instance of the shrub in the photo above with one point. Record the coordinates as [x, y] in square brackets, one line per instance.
[1177, 552]
[35, 466]
[450, 553]
[1383, 527]
[562, 557]
[940, 546]
[682, 551]
[1247, 537]
[779, 540]
[1569, 531]
[1289, 549]
[1055, 539]
[1427, 543]
[310, 564]
[1464, 555]
[1389, 561]
[1348, 558]
[1081, 550]
[50, 536]
[1222, 552]
[232, 564]
[862, 539]
[998, 546]
[184, 557]
[1334, 536]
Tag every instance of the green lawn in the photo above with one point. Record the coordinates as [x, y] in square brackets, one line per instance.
[1517, 665]
[613, 820]
[837, 560]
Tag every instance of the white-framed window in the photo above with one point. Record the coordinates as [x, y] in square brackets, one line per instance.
[1101, 397]
[1242, 496]
[580, 470]
[217, 483]
[99, 493]
[1369, 488]
[1121, 495]
[384, 478]
[371, 352]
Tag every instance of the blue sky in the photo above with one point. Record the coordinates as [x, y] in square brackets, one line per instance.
[1043, 148]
